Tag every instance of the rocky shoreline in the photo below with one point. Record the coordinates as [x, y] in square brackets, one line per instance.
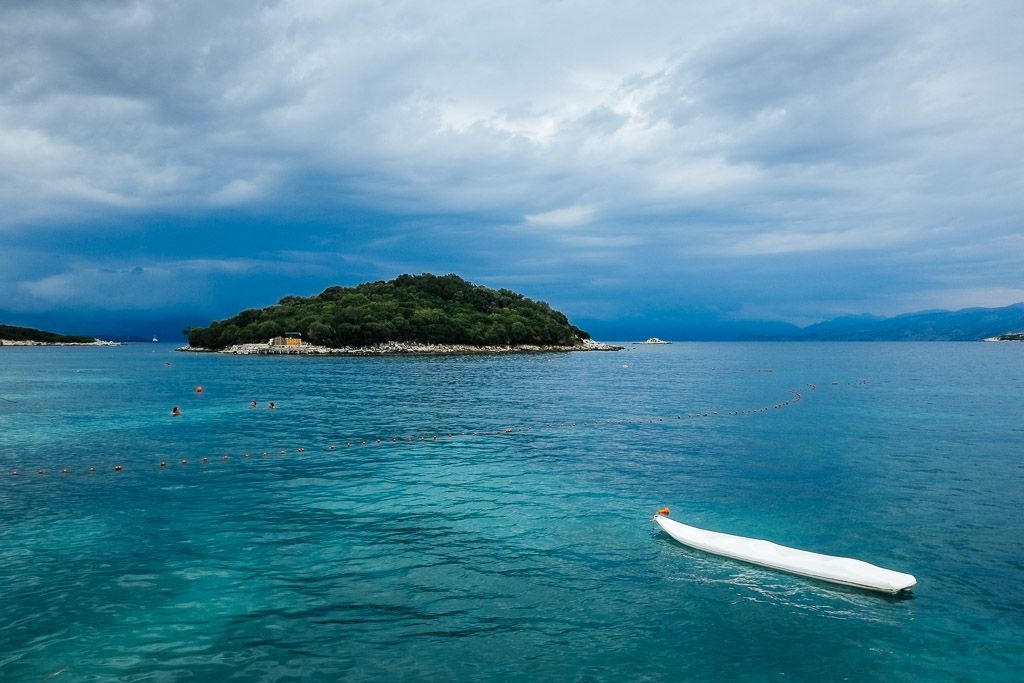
[399, 348]
[17, 342]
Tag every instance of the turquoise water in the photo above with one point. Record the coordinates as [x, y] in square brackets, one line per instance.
[499, 556]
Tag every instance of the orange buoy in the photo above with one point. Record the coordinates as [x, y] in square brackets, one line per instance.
[199, 390]
[663, 511]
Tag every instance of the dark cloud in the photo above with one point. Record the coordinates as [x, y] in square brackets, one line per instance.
[791, 159]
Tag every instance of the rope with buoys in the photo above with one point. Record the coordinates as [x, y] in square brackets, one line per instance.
[444, 435]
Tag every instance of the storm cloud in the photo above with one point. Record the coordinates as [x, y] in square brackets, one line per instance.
[786, 160]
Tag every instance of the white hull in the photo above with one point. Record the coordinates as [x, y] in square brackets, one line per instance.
[841, 570]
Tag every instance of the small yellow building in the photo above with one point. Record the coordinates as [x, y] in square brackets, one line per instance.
[289, 339]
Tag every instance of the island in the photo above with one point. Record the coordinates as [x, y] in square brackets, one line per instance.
[11, 335]
[410, 314]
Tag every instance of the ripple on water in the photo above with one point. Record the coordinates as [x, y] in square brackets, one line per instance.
[525, 556]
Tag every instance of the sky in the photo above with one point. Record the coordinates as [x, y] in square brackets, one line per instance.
[654, 168]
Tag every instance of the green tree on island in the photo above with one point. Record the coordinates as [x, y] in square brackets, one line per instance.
[424, 308]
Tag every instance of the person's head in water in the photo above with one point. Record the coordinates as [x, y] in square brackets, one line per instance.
[252, 404]
[175, 411]
[271, 405]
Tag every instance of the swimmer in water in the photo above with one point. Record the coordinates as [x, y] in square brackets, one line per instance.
[175, 411]
[271, 405]
[252, 404]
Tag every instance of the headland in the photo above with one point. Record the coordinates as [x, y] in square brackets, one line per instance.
[1009, 336]
[22, 342]
[11, 335]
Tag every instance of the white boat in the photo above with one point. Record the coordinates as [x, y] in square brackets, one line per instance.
[842, 570]
[654, 340]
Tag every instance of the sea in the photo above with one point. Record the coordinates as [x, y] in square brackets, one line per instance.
[480, 518]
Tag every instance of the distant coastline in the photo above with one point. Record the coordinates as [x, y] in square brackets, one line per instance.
[400, 348]
[1009, 337]
[12, 335]
[28, 342]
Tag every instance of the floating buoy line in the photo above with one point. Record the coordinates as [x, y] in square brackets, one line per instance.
[441, 436]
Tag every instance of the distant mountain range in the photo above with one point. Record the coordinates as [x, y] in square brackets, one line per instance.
[969, 324]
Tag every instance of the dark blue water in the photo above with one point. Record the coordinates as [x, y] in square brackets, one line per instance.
[508, 556]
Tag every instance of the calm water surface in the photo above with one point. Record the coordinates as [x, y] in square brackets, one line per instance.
[519, 556]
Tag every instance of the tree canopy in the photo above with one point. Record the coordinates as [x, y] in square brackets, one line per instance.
[426, 308]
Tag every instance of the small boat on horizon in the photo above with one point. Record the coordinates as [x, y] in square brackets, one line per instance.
[841, 570]
[654, 340]
[155, 340]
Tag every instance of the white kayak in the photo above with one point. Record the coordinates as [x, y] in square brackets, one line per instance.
[841, 570]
